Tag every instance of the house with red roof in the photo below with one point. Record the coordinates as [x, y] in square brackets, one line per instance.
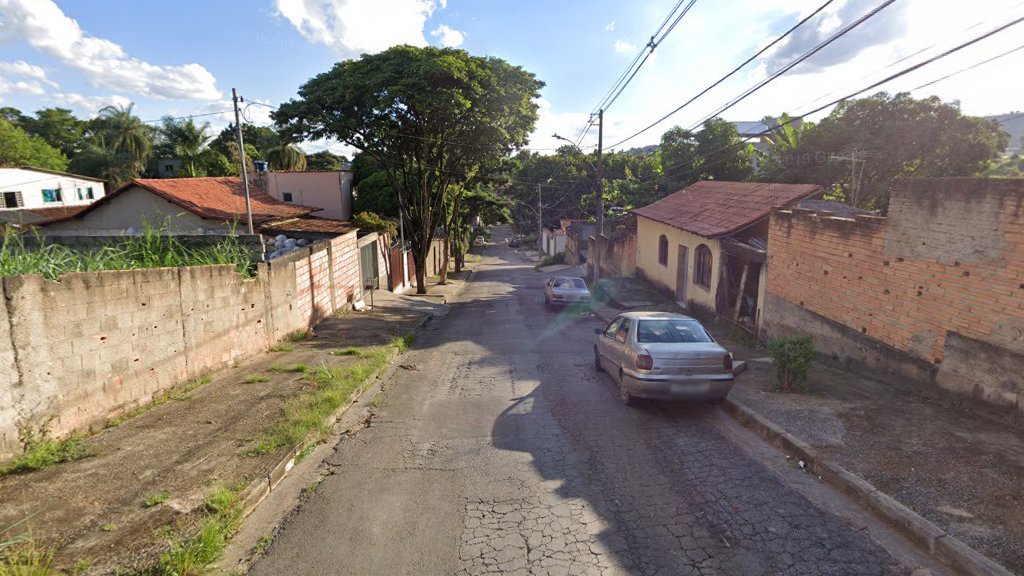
[184, 205]
[707, 244]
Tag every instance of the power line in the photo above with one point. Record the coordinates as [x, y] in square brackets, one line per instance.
[856, 93]
[726, 77]
[750, 91]
[973, 66]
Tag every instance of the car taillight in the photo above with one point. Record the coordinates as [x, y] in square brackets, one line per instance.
[727, 362]
[644, 362]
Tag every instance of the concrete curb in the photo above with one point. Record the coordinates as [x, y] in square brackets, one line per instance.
[935, 540]
[258, 490]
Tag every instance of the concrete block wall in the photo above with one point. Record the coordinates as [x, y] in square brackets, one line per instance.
[80, 350]
[933, 292]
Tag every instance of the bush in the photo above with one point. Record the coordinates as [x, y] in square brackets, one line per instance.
[370, 222]
[792, 358]
[552, 260]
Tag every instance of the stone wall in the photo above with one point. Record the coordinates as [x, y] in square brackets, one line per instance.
[78, 351]
[934, 292]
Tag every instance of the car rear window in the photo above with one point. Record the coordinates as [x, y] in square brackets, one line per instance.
[668, 331]
[575, 283]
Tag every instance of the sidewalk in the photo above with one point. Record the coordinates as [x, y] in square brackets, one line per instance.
[957, 464]
[148, 478]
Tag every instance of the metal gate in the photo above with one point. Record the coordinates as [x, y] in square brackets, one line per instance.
[368, 267]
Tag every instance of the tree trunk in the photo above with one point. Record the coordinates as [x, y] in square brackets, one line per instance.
[419, 259]
[443, 274]
[460, 257]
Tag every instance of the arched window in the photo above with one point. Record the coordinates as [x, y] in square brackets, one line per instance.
[702, 266]
[663, 250]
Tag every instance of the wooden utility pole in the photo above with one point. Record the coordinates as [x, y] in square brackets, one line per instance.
[241, 154]
[599, 243]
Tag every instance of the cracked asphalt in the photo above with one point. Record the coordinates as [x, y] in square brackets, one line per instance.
[498, 449]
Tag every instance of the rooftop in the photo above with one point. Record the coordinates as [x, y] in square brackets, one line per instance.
[308, 225]
[714, 208]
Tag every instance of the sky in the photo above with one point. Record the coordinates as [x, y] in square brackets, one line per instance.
[183, 58]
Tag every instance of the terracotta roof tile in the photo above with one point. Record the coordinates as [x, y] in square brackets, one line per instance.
[313, 225]
[220, 198]
[713, 208]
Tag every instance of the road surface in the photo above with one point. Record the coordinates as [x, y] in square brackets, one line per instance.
[499, 449]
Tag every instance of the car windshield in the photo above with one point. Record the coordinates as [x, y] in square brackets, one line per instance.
[574, 283]
[671, 331]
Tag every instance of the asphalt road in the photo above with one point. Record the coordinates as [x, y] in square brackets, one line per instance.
[499, 449]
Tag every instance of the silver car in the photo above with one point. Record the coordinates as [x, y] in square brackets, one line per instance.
[663, 356]
[563, 290]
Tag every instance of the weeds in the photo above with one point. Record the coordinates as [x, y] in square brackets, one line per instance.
[26, 557]
[350, 351]
[109, 527]
[41, 452]
[180, 394]
[297, 336]
[190, 555]
[335, 386]
[551, 261]
[154, 247]
[377, 401]
[256, 379]
[282, 348]
[403, 341]
[304, 453]
[296, 368]
[155, 500]
[263, 544]
[792, 358]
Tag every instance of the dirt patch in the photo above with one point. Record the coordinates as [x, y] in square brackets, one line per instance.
[958, 465]
[95, 509]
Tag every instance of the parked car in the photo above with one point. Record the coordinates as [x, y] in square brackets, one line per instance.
[663, 356]
[514, 243]
[478, 241]
[563, 290]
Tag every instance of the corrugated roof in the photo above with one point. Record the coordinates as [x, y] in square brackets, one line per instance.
[714, 208]
[309, 225]
[215, 198]
[835, 207]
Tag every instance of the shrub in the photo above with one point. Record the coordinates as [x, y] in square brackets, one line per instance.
[370, 222]
[792, 358]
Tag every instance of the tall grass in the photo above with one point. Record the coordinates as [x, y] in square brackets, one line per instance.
[154, 247]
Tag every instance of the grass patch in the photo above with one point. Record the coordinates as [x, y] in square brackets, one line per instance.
[155, 500]
[256, 379]
[41, 452]
[180, 394]
[154, 247]
[377, 401]
[191, 554]
[304, 414]
[109, 527]
[26, 557]
[296, 336]
[403, 341]
[350, 351]
[294, 368]
[304, 453]
[263, 544]
[282, 348]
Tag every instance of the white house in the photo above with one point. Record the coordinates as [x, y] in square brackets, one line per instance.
[34, 188]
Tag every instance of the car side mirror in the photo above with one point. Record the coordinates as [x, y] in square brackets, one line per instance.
[598, 331]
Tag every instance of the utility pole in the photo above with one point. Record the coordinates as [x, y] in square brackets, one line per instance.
[540, 218]
[241, 154]
[599, 244]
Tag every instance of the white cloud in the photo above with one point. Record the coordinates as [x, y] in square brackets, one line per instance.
[354, 27]
[449, 37]
[30, 87]
[624, 47]
[105, 64]
[22, 68]
[610, 27]
[88, 105]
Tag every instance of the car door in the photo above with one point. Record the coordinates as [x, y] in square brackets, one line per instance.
[604, 345]
[618, 346]
[547, 290]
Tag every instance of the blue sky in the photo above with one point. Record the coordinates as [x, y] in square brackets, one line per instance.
[182, 58]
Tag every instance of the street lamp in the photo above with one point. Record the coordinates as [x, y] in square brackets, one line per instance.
[600, 191]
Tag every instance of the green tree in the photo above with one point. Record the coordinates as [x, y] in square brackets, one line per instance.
[286, 156]
[895, 137]
[20, 149]
[426, 115]
[99, 161]
[261, 138]
[58, 127]
[324, 161]
[118, 129]
[186, 141]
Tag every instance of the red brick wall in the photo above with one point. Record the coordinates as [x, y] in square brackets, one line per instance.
[949, 260]
[345, 273]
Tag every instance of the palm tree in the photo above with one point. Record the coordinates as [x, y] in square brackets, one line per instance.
[124, 132]
[186, 141]
[287, 157]
[101, 161]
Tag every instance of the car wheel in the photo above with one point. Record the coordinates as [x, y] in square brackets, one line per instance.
[597, 361]
[624, 396]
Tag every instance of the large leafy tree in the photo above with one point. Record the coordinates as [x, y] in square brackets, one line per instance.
[427, 116]
[20, 149]
[58, 127]
[893, 137]
[285, 156]
[324, 161]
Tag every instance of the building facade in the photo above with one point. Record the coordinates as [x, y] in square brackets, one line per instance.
[30, 188]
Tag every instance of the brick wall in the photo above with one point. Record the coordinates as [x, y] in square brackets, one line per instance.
[78, 351]
[933, 292]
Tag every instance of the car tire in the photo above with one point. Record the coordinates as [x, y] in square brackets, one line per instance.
[624, 396]
[597, 361]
